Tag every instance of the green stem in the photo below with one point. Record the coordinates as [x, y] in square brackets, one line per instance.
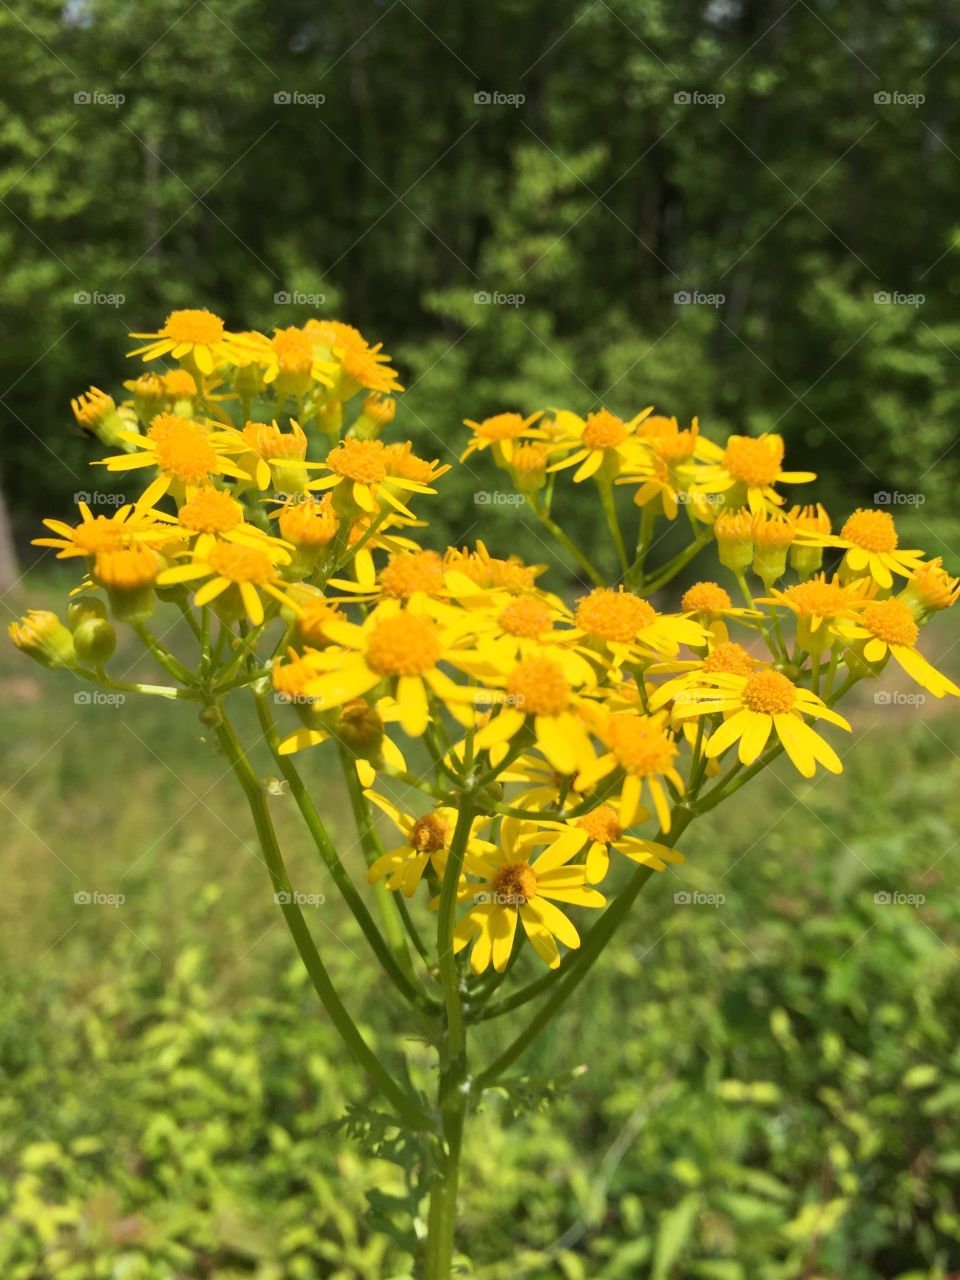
[166, 660]
[570, 547]
[613, 522]
[590, 950]
[673, 567]
[405, 1105]
[333, 864]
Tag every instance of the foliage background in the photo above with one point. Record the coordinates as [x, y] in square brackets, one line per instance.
[774, 1084]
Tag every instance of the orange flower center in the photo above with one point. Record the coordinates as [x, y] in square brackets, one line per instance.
[871, 531]
[754, 460]
[241, 564]
[526, 616]
[657, 427]
[614, 615]
[293, 350]
[362, 461]
[530, 458]
[403, 645]
[817, 598]
[99, 534]
[211, 511]
[267, 440]
[200, 327]
[891, 621]
[539, 687]
[729, 658]
[179, 384]
[309, 523]
[411, 571]
[502, 426]
[429, 834]
[514, 885]
[601, 825]
[403, 462]
[640, 745]
[604, 430]
[128, 569]
[773, 534]
[183, 450]
[705, 597]
[770, 693]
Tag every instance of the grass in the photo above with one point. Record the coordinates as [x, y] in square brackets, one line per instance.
[773, 1074]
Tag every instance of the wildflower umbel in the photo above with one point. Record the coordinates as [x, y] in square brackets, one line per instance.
[518, 759]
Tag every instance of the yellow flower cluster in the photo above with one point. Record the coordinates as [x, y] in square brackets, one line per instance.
[281, 526]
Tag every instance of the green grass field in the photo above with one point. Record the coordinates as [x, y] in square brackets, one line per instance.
[773, 1083]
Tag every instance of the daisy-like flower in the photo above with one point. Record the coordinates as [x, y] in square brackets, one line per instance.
[600, 830]
[237, 574]
[195, 335]
[186, 454]
[128, 524]
[930, 588]
[469, 575]
[276, 457]
[426, 843]
[725, 658]
[540, 692]
[756, 706]
[746, 472]
[599, 440]
[501, 434]
[404, 646]
[710, 604]
[617, 622]
[290, 361]
[888, 627]
[211, 515]
[642, 748]
[817, 604]
[361, 470]
[872, 545]
[362, 365]
[513, 888]
[657, 461]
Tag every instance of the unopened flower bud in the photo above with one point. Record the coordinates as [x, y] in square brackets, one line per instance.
[42, 636]
[95, 640]
[84, 608]
[734, 534]
[772, 539]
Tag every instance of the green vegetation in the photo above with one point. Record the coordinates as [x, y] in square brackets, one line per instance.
[773, 1081]
[598, 198]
